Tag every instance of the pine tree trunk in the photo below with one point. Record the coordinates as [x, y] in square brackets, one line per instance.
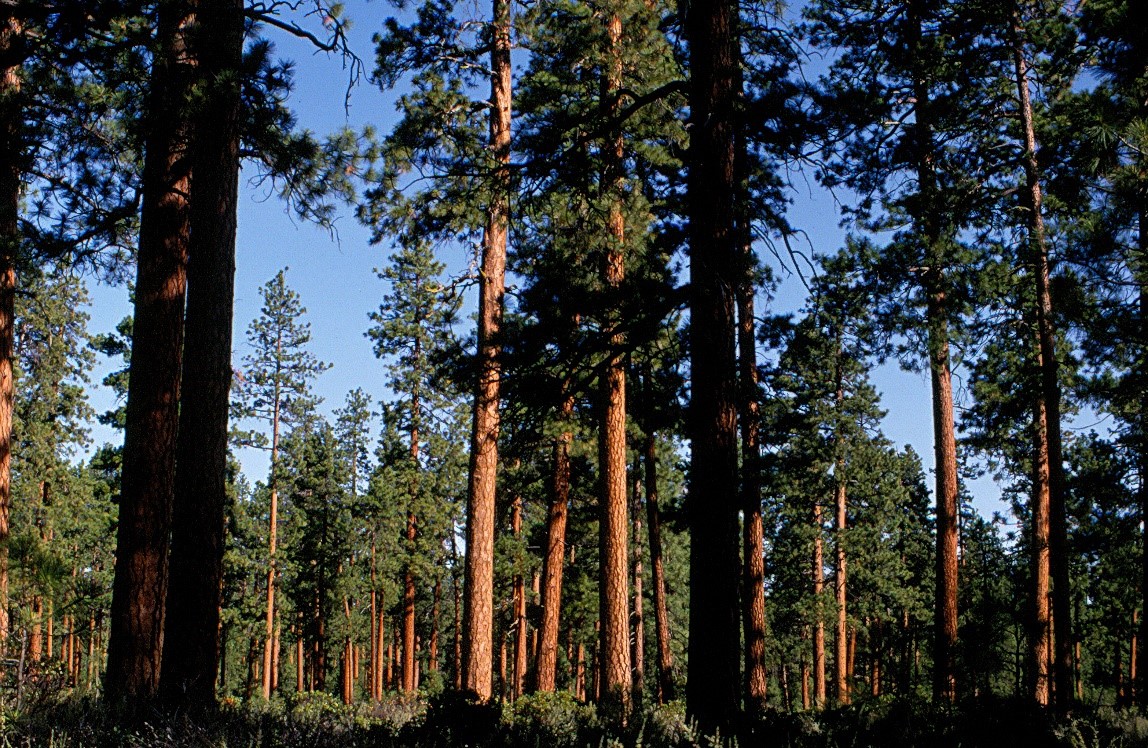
[376, 624]
[840, 580]
[191, 651]
[1040, 624]
[614, 524]
[753, 537]
[139, 589]
[380, 644]
[436, 597]
[937, 324]
[11, 147]
[546, 668]
[713, 688]
[272, 543]
[408, 648]
[666, 691]
[638, 650]
[519, 683]
[818, 571]
[478, 607]
[1048, 467]
[842, 672]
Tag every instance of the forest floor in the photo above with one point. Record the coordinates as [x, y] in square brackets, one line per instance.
[553, 721]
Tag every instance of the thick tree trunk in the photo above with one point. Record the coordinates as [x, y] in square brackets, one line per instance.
[614, 524]
[546, 668]
[753, 539]
[11, 148]
[191, 650]
[478, 608]
[713, 688]
[818, 573]
[139, 590]
[666, 691]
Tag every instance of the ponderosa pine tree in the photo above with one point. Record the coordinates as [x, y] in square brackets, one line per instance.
[191, 649]
[276, 389]
[712, 32]
[53, 361]
[60, 111]
[471, 196]
[597, 136]
[478, 594]
[140, 591]
[921, 182]
[412, 328]
[319, 540]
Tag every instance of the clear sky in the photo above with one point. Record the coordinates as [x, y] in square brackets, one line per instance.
[336, 281]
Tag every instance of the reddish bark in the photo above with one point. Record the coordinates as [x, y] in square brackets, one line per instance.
[139, 589]
[478, 608]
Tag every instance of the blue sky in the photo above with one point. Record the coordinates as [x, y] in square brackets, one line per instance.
[336, 280]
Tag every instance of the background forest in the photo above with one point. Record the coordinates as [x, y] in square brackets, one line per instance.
[622, 442]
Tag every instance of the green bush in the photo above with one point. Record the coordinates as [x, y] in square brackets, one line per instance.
[549, 720]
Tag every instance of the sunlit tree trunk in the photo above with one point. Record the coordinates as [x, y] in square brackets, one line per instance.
[478, 608]
[818, 571]
[546, 667]
[753, 540]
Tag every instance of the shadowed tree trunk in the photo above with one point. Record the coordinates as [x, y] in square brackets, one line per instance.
[638, 650]
[818, 572]
[478, 603]
[139, 590]
[191, 649]
[713, 688]
[11, 146]
[666, 691]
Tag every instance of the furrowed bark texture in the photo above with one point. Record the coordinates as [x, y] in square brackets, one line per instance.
[613, 587]
[546, 669]
[191, 639]
[713, 687]
[478, 603]
[11, 148]
[139, 590]
[753, 542]
[937, 324]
